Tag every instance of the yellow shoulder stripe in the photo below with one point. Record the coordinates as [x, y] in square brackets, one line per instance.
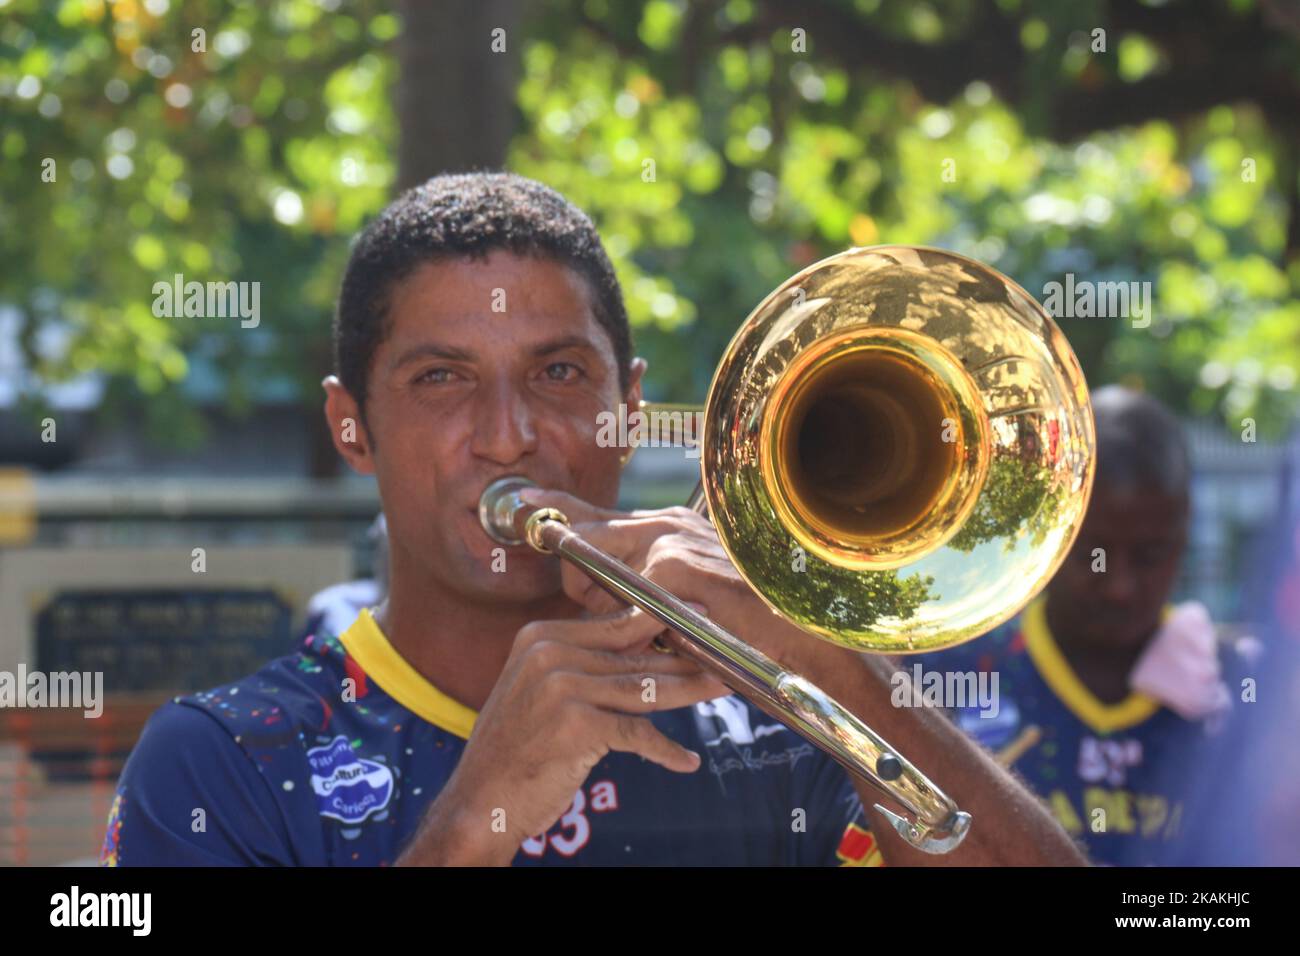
[1060, 677]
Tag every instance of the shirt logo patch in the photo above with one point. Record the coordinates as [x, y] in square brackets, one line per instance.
[348, 788]
[735, 719]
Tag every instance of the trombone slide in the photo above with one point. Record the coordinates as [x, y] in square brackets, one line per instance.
[939, 826]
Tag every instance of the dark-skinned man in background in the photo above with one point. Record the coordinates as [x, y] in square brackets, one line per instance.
[1109, 697]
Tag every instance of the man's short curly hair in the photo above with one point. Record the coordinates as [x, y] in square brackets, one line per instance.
[466, 215]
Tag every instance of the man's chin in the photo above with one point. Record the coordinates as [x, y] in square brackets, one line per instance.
[1120, 636]
[526, 580]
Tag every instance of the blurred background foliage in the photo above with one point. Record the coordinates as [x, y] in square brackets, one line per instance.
[776, 132]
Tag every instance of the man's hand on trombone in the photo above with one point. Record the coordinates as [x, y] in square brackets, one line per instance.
[571, 692]
[678, 549]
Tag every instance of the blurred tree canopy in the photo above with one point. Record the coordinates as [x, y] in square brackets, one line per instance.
[719, 144]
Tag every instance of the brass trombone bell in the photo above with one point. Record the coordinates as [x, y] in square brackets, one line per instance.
[898, 449]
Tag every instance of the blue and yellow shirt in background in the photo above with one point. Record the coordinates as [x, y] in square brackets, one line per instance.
[1130, 760]
[331, 756]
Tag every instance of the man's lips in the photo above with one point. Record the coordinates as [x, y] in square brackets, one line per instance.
[472, 510]
[474, 519]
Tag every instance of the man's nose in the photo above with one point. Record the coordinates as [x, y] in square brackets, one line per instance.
[1119, 583]
[504, 425]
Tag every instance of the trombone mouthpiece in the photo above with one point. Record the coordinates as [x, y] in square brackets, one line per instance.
[499, 505]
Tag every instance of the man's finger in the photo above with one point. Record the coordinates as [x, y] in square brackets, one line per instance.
[628, 538]
[619, 631]
[637, 735]
[581, 589]
[642, 692]
[574, 508]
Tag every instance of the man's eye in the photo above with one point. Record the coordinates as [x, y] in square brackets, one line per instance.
[1154, 554]
[562, 371]
[434, 376]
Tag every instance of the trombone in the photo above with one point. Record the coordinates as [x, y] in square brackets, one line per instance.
[897, 453]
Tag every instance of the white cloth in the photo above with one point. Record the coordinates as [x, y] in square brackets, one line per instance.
[1180, 667]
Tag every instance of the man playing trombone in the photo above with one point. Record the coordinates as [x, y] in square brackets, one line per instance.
[497, 709]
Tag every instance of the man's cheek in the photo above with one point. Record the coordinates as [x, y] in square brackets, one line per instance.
[578, 449]
[1159, 585]
[1076, 581]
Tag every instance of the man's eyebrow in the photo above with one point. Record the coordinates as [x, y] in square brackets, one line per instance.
[431, 350]
[564, 342]
[452, 353]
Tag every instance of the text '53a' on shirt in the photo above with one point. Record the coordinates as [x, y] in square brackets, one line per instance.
[330, 757]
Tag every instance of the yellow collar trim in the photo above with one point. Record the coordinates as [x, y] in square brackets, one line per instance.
[1073, 693]
[368, 646]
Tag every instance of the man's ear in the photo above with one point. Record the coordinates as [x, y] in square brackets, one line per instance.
[343, 418]
[636, 371]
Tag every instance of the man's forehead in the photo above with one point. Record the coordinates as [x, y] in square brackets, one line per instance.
[1137, 510]
[505, 299]
[534, 282]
